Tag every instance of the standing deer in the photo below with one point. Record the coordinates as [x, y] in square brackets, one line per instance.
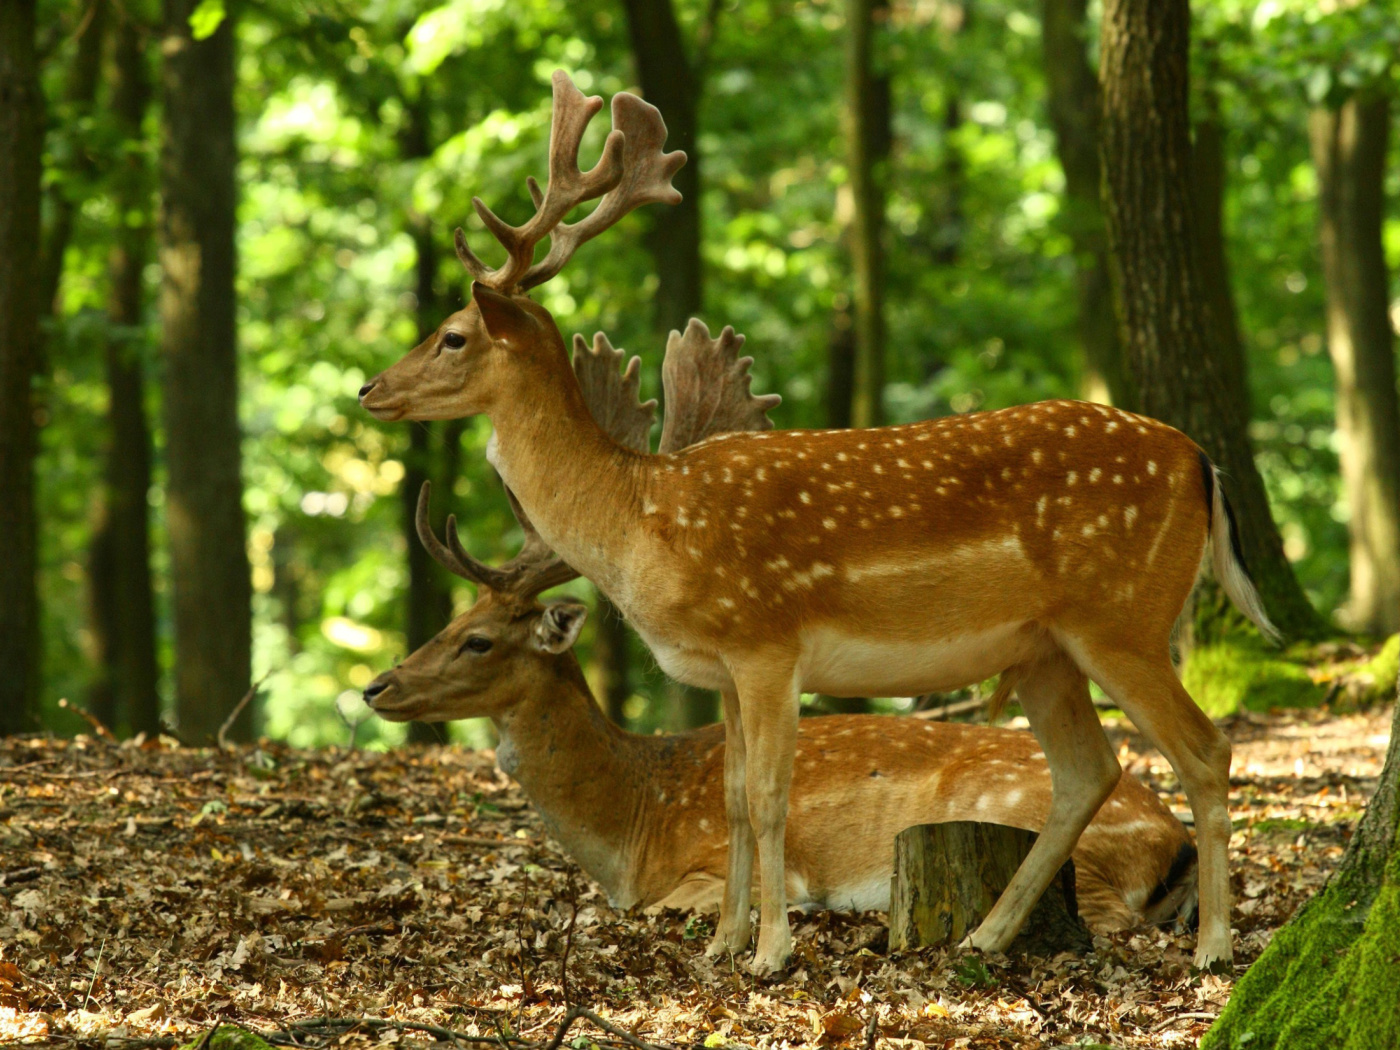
[1054, 543]
[644, 815]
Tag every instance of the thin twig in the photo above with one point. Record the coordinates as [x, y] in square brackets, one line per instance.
[568, 938]
[103, 733]
[222, 737]
[1192, 1016]
[95, 967]
[558, 1037]
[870, 1028]
[962, 707]
[621, 1033]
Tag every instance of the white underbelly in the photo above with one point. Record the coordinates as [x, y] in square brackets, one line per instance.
[689, 666]
[840, 664]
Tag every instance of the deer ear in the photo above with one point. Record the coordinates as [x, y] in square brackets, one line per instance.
[559, 626]
[505, 320]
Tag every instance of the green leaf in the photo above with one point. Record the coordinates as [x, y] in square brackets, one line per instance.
[206, 18]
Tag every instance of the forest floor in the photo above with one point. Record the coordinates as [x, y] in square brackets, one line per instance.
[149, 892]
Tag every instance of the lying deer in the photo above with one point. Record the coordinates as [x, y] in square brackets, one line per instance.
[644, 815]
[1052, 543]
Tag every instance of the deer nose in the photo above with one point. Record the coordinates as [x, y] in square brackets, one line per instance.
[367, 388]
[373, 690]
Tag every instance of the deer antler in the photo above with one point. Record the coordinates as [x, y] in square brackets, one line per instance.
[631, 172]
[707, 388]
[612, 397]
[534, 570]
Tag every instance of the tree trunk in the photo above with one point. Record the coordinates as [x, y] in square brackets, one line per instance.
[66, 195]
[671, 82]
[947, 877]
[123, 604]
[429, 596]
[1349, 152]
[1208, 196]
[610, 641]
[204, 506]
[1329, 980]
[1164, 311]
[1073, 102]
[21, 144]
[867, 163]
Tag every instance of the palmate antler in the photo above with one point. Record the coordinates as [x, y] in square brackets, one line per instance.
[707, 393]
[632, 171]
[706, 384]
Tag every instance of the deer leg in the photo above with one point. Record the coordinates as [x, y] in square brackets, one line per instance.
[770, 707]
[733, 932]
[1083, 772]
[1149, 692]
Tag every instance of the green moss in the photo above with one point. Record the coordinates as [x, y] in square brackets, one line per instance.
[1330, 980]
[1372, 682]
[231, 1037]
[1226, 676]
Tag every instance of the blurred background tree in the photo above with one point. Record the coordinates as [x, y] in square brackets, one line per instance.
[924, 194]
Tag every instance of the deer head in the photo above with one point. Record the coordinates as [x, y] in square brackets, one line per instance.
[509, 644]
[503, 648]
[455, 371]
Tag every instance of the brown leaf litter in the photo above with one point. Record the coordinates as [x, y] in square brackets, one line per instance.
[328, 898]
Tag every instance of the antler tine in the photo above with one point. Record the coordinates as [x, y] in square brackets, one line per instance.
[612, 396]
[706, 384]
[568, 187]
[451, 556]
[646, 178]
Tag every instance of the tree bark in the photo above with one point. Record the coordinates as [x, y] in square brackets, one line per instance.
[947, 877]
[433, 454]
[1165, 317]
[66, 194]
[1329, 979]
[671, 81]
[1349, 147]
[610, 641]
[1073, 102]
[123, 620]
[204, 506]
[867, 164]
[21, 144]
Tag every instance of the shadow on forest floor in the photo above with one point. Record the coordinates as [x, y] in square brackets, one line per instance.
[147, 893]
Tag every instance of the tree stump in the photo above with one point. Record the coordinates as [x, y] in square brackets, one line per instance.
[947, 877]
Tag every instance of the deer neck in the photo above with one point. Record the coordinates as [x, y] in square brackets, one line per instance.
[579, 487]
[586, 777]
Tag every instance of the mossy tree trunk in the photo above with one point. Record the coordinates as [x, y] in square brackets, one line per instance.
[1349, 148]
[1330, 979]
[1164, 310]
[1072, 97]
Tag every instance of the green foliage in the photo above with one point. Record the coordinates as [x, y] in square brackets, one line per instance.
[981, 279]
[1240, 673]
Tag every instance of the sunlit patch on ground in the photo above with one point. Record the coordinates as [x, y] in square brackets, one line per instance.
[147, 893]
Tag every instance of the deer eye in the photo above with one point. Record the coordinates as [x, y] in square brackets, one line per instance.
[476, 643]
[454, 340]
